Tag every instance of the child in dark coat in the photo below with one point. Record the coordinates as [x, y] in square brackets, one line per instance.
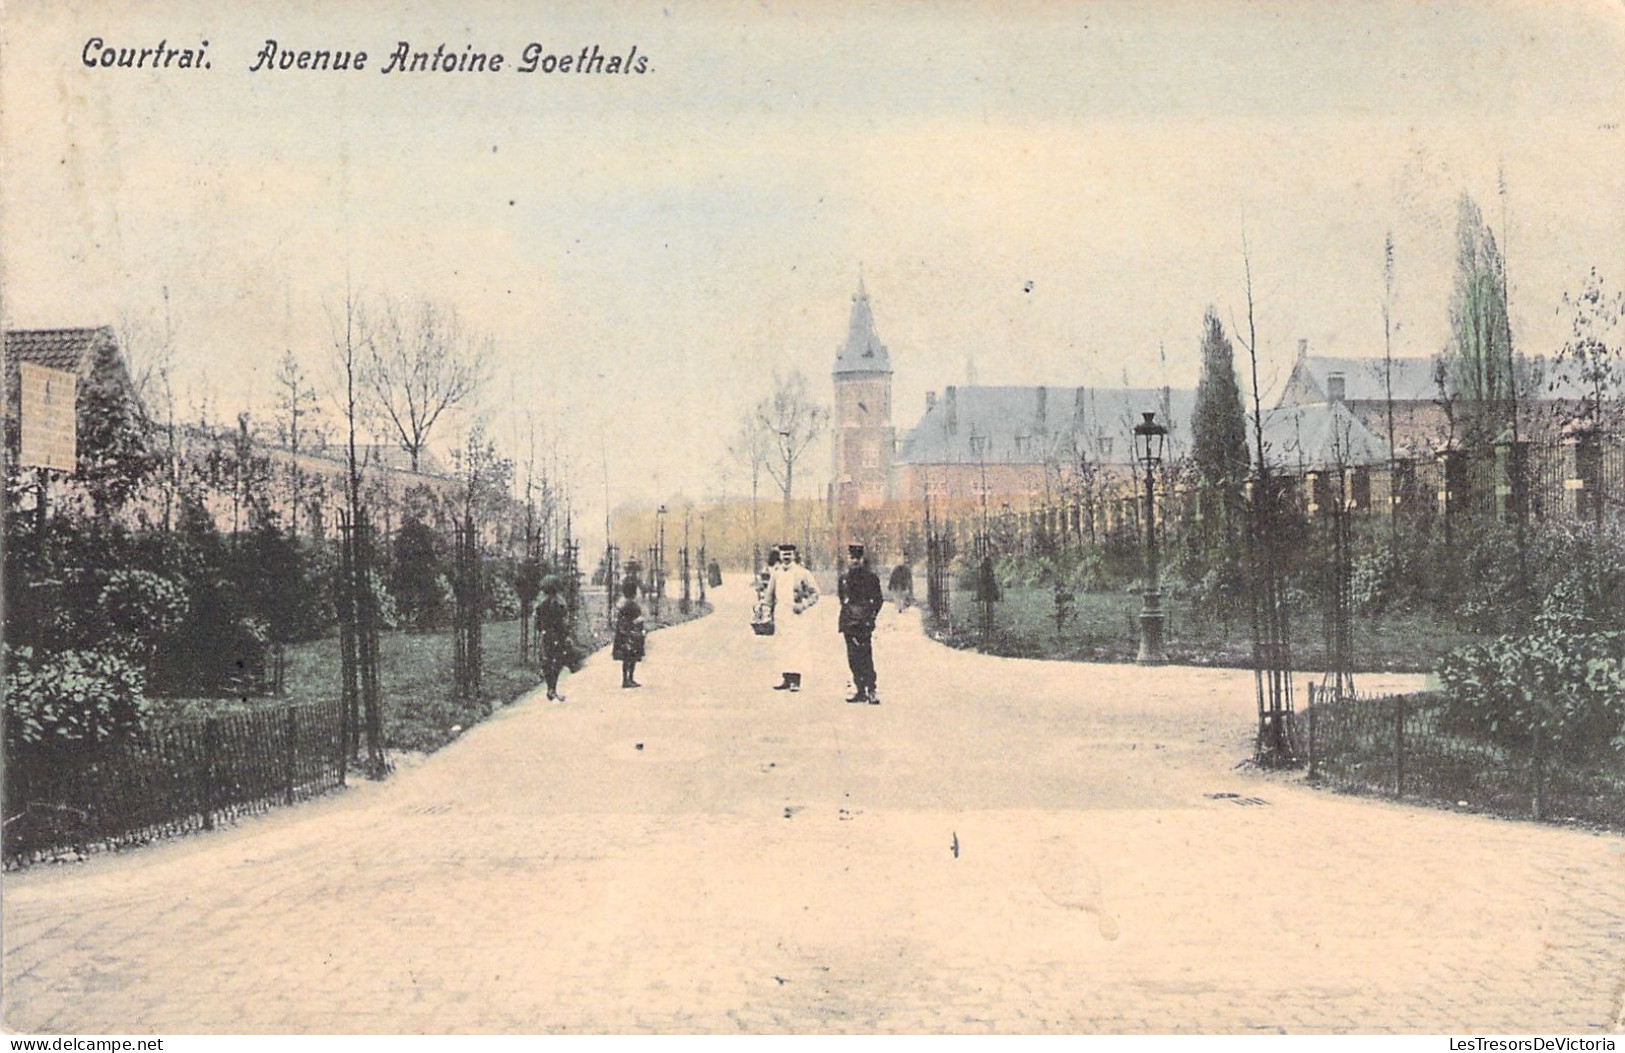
[628, 646]
[553, 633]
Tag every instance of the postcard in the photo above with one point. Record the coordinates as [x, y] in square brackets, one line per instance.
[814, 518]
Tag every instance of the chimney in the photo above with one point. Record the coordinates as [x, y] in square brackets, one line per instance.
[1334, 387]
[930, 401]
[1303, 348]
[951, 397]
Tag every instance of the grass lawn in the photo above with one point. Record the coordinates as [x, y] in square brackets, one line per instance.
[1106, 627]
[415, 674]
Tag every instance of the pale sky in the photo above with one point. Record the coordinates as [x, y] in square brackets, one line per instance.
[645, 250]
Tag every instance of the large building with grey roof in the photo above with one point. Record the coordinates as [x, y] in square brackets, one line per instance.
[1022, 443]
[1027, 446]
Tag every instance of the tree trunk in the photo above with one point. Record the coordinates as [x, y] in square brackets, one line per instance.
[789, 482]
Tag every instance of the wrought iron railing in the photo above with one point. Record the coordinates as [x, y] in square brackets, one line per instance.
[171, 778]
[1408, 746]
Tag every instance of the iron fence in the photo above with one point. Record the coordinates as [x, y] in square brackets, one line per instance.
[170, 779]
[1407, 746]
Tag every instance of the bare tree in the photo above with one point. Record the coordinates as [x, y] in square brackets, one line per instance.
[1592, 359]
[296, 400]
[352, 338]
[787, 423]
[1388, 389]
[1272, 663]
[422, 362]
[749, 449]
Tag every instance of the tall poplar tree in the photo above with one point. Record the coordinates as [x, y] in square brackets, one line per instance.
[1219, 454]
[1219, 430]
[1480, 337]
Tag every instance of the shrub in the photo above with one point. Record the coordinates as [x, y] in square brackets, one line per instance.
[1373, 578]
[1583, 578]
[980, 578]
[501, 601]
[221, 647]
[137, 609]
[72, 700]
[418, 587]
[288, 584]
[1013, 568]
[1221, 592]
[384, 603]
[1567, 688]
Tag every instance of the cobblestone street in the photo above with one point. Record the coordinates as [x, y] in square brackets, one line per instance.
[1001, 846]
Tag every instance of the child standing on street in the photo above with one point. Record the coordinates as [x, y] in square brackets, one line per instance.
[630, 634]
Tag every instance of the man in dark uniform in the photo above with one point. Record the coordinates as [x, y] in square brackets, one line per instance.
[861, 601]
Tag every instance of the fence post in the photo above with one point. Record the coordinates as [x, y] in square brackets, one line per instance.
[1537, 804]
[208, 772]
[344, 743]
[292, 730]
[1314, 714]
[1399, 745]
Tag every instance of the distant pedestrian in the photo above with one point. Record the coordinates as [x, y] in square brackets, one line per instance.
[713, 575]
[861, 601]
[901, 586]
[628, 647]
[791, 592]
[554, 641]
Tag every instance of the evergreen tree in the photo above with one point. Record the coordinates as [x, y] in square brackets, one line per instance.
[114, 443]
[1219, 456]
[417, 584]
[1219, 429]
[221, 646]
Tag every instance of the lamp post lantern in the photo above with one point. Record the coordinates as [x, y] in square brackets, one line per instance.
[1149, 438]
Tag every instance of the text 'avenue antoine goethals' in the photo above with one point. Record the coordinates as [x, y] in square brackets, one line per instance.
[591, 59]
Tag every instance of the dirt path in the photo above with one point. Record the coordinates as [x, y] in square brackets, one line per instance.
[1001, 845]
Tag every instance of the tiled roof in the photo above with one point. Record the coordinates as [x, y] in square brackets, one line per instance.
[1005, 425]
[1032, 425]
[72, 350]
[82, 352]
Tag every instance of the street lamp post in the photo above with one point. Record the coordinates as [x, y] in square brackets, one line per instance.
[705, 566]
[1149, 437]
[657, 569]
[684, 603]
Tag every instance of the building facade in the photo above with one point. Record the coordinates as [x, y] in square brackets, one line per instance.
[1015, 449]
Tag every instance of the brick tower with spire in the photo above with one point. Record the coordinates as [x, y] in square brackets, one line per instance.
[864, 439]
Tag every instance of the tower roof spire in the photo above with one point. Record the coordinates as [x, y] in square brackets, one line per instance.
[863, 351]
